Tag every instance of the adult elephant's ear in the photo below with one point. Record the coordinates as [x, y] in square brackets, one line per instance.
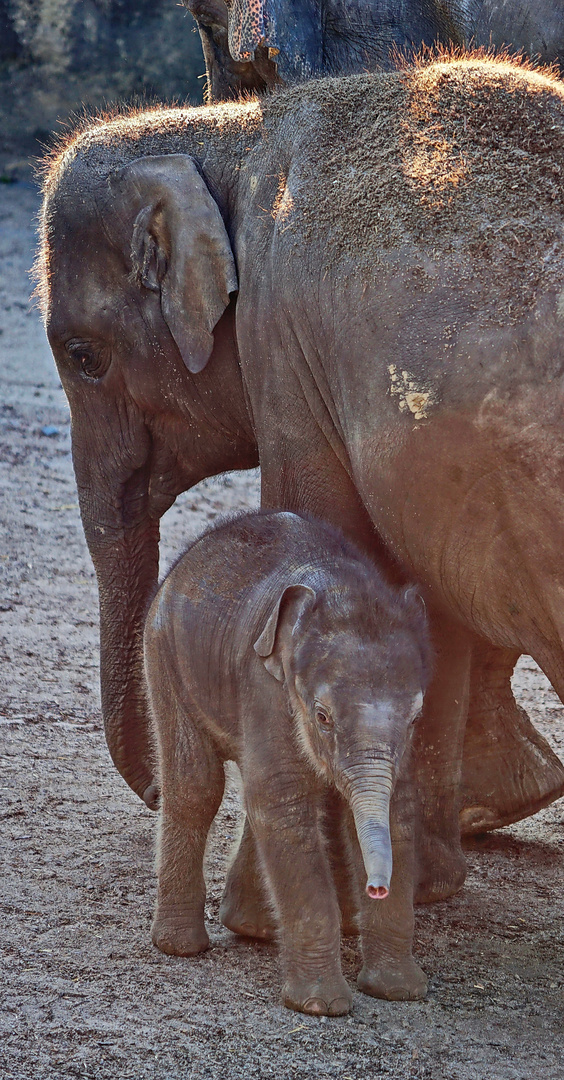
[179, 248]
[282, 622]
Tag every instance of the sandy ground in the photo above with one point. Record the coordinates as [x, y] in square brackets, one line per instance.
[83, 992]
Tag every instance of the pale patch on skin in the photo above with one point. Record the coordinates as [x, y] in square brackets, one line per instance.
[377, 712]
[560, 306]
[412, 398]
[283, 204]
[300, 718]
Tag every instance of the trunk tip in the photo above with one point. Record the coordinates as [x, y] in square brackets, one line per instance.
[377, 892]
[151, 797]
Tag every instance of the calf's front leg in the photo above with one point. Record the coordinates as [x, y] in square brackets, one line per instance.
[386, 926]
[284, 816]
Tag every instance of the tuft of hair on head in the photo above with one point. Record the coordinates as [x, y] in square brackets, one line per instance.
[459, 55]
[56, 155]
[84, 123]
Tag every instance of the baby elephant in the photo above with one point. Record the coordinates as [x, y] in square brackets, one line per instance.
[274, 643]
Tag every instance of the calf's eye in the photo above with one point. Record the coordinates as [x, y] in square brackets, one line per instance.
[323, 718]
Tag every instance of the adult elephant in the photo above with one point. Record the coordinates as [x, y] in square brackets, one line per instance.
[256, 46]
[403, 386]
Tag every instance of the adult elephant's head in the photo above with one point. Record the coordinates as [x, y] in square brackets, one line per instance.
[137, 279]
[235, 63]
[253, 45]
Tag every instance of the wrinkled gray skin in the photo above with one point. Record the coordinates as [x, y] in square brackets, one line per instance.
[309, 38]
[142, 434]
[534, 27]
[508, 771]
[138, 281]
[275, 644]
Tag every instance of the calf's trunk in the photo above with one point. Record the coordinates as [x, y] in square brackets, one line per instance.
[369, 793]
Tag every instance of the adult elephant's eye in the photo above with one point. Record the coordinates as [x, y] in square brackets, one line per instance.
[93, 363]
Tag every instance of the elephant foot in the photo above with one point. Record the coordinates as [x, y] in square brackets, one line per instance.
[175, 936]
[441, 869]
[400, 980]
[509, 771]
[247, 915]
[318, 997]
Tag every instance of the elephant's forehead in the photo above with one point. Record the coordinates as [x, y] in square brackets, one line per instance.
[81, 298]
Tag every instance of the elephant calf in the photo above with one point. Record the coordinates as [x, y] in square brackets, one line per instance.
[274, 643]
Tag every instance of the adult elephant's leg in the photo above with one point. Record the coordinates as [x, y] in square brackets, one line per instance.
[437, 763]
[509, 771]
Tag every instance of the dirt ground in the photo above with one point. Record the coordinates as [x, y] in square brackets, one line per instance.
[83, 992]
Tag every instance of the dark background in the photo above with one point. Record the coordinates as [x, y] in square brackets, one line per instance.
[57, 55]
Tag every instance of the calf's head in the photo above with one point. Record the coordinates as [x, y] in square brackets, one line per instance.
[354, 661]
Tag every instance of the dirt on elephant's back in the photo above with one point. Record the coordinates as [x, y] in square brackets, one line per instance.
[461, 157]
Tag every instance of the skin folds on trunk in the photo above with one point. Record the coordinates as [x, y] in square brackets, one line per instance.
[369, 791]
[122, 532]
[127, 571]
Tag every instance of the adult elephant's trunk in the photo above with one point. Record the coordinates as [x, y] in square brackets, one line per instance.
[127, 571]
[368, 791]
[122, 532]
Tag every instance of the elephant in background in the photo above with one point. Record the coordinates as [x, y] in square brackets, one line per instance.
[252, 47]
[163, 367]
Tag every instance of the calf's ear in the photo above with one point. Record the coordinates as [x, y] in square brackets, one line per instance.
[283, 622]
[179, 248]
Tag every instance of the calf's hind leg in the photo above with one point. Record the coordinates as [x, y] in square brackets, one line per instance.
[192, 783]
[245, 907]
